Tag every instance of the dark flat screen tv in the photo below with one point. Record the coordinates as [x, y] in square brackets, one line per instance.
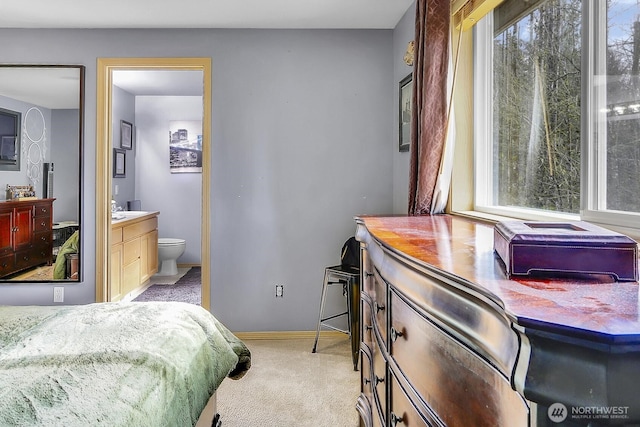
[9, 139]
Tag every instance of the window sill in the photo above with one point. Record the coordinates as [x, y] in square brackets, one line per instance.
[513, 213]
[633, 233]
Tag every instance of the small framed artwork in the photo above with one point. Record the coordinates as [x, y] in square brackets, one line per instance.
[119, 162]
[185, 146]
[405, 95]
[126, 135]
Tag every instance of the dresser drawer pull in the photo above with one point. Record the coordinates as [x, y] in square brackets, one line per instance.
[395, 334]
[395, 420]
[43, 223]
[367, 274]
[379, 307]
[378, 379]
[366, 381]
[368, 328]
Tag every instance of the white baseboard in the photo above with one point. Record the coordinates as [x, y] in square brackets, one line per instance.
[287, 335]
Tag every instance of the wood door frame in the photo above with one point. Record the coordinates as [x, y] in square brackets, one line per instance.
[104, 132]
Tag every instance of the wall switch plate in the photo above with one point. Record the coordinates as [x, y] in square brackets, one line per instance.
[58, 294]
[279, 291]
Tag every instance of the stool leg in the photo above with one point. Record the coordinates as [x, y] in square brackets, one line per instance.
[354, 320]
[324, 292]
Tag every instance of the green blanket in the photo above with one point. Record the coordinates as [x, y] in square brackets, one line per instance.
[113, 364]
[68, 247]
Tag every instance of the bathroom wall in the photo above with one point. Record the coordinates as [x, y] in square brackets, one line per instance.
[123, 108]
[177, 196]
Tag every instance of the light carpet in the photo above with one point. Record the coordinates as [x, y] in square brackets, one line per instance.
[288, 385]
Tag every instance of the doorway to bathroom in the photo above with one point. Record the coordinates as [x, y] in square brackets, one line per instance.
[171, 99]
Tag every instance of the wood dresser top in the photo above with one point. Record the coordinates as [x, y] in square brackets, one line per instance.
[592, 307]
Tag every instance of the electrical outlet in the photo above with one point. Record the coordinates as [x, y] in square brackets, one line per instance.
[58, 294]
[279, 291]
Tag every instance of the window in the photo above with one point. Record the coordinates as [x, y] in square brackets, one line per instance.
[557, 110]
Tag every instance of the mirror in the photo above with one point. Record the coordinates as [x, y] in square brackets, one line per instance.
[40, 168]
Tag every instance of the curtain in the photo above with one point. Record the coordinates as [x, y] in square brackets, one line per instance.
[443, 181]
[429, 121]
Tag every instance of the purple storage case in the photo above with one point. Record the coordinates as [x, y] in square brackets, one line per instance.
[527, 247]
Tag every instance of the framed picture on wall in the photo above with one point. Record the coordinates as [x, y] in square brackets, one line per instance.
[185, 146]
[119, 162]
[405, 94]
[126, 135]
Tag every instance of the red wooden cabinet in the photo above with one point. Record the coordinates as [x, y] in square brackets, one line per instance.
[25, 234]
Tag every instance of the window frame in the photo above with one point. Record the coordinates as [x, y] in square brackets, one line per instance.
[593, 128]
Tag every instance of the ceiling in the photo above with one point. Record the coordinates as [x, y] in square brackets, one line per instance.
[50, 87]
[330, 14]
[159, 82]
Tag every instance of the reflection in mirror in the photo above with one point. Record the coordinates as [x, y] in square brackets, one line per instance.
[9, 140]
[40, 168]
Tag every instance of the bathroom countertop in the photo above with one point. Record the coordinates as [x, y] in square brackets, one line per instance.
[122, 217]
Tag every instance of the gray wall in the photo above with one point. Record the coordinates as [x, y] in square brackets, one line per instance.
[124, 108]
[64, 155]
[20, 177]
[60, 147]
[402, 34]
[177, 196]
[303, 136]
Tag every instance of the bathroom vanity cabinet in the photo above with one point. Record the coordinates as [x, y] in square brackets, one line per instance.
[448, 340]
[134, 253]
[25, 234]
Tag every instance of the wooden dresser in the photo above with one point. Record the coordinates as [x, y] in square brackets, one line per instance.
[448, 340]
[25, 234]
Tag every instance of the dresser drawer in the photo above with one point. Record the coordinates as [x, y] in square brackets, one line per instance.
[460, 387]
[42, 238]
[379, 381]
[7, 264]
[367, 334]
[42, 210]
[380, 307]
[42, 252]
[366, 376]
[367, 275]
[402, 412]
[27, 258]
[42, 224]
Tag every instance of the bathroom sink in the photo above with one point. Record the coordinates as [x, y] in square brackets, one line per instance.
[126, 214]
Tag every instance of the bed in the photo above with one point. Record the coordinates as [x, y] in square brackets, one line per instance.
[113, 364]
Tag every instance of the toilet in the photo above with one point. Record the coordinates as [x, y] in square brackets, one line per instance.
[169, 250]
